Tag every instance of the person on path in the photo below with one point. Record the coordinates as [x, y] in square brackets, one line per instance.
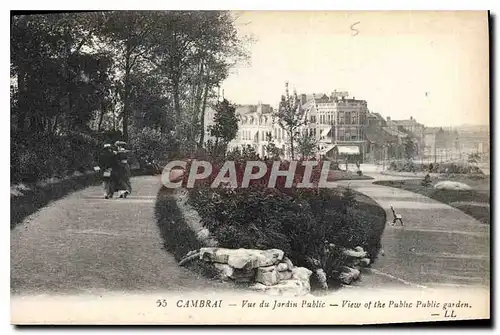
[123, 174]
[107, 163]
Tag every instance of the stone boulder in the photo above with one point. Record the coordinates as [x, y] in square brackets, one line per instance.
[357, 252]
[267, 275]
[452, 185]
[242, 258]
[349, 275]
[292, 287]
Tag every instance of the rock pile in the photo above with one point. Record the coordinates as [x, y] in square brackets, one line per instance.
[263, 270]
[355, 259]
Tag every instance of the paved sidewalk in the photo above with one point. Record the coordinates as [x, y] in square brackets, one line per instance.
[85, 244]
[438, 245]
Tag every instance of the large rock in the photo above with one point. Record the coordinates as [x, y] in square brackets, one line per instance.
[288, 262]
[267, 275]
[293, 287]
[239, 275]
[243, 274]
[242, 258]
[357, 252]
[303, 275]
[224, 270]
[452, 185]
[349, 275]
[282, 267]
[284, 275]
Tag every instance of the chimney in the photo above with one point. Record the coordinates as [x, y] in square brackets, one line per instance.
[388, 118]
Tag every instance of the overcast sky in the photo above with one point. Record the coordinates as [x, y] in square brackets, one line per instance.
[429, 65]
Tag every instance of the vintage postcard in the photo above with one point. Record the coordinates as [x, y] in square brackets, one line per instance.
[249, 167]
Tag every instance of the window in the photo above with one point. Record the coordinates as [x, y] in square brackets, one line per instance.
[348, 118]
[341, 134]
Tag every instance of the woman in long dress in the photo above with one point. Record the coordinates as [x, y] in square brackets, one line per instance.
[107, 166]
[123, 174]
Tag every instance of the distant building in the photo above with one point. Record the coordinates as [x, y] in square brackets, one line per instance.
[414, 129]
[338, 123]
[442, 144]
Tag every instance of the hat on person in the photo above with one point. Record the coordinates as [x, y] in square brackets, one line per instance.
[107, 145]
[120, 143]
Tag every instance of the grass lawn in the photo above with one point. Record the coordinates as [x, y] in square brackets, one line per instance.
[475, 202]
[334, 175]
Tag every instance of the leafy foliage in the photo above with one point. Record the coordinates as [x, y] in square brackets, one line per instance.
[104, 72]
[290, 118]
[297, 220]
[272, 151]
[225, 126]
[307, 145]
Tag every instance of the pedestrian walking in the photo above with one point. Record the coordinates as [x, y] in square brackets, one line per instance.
[123, 174]
[107, 162]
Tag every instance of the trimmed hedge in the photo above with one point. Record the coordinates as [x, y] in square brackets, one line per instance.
[298, 222]
[36, 196]
[449, 168]
[178, 238]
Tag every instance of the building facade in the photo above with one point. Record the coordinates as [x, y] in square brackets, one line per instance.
[336, 121]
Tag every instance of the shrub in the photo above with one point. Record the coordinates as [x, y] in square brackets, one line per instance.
[149, 143]
[298, 221]
[426, 181]
[42, 156]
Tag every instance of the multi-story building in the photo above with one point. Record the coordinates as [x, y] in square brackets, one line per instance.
[336, 121]
[414, 129]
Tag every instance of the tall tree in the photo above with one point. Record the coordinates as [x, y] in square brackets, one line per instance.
[194, 51]
[290, 117]
[130, 34]
[225, 125]
[307, 145]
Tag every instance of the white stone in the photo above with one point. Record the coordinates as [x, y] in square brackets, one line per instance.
[213, 255]
[267, 275]
[300, 273]
[282, 267]
[225, 271]
[355, 252]
[349, 275]
[243, 274]
[452, 185]
[288, 262]
[292, 287]
[242, 258]
[365, 261]
[320, 273]
[284, 275]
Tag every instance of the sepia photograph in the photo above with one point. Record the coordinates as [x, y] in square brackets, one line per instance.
[202, 167]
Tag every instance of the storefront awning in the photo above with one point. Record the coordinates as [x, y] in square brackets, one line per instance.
[348, 150]
[325, 132]
[325, 149]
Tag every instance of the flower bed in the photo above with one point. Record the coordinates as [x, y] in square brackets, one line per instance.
[299, 221]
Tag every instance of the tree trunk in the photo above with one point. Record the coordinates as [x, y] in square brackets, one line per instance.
[202, 114]
[126, 92]
[292, 151]
[101, 116]
[177, 104]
